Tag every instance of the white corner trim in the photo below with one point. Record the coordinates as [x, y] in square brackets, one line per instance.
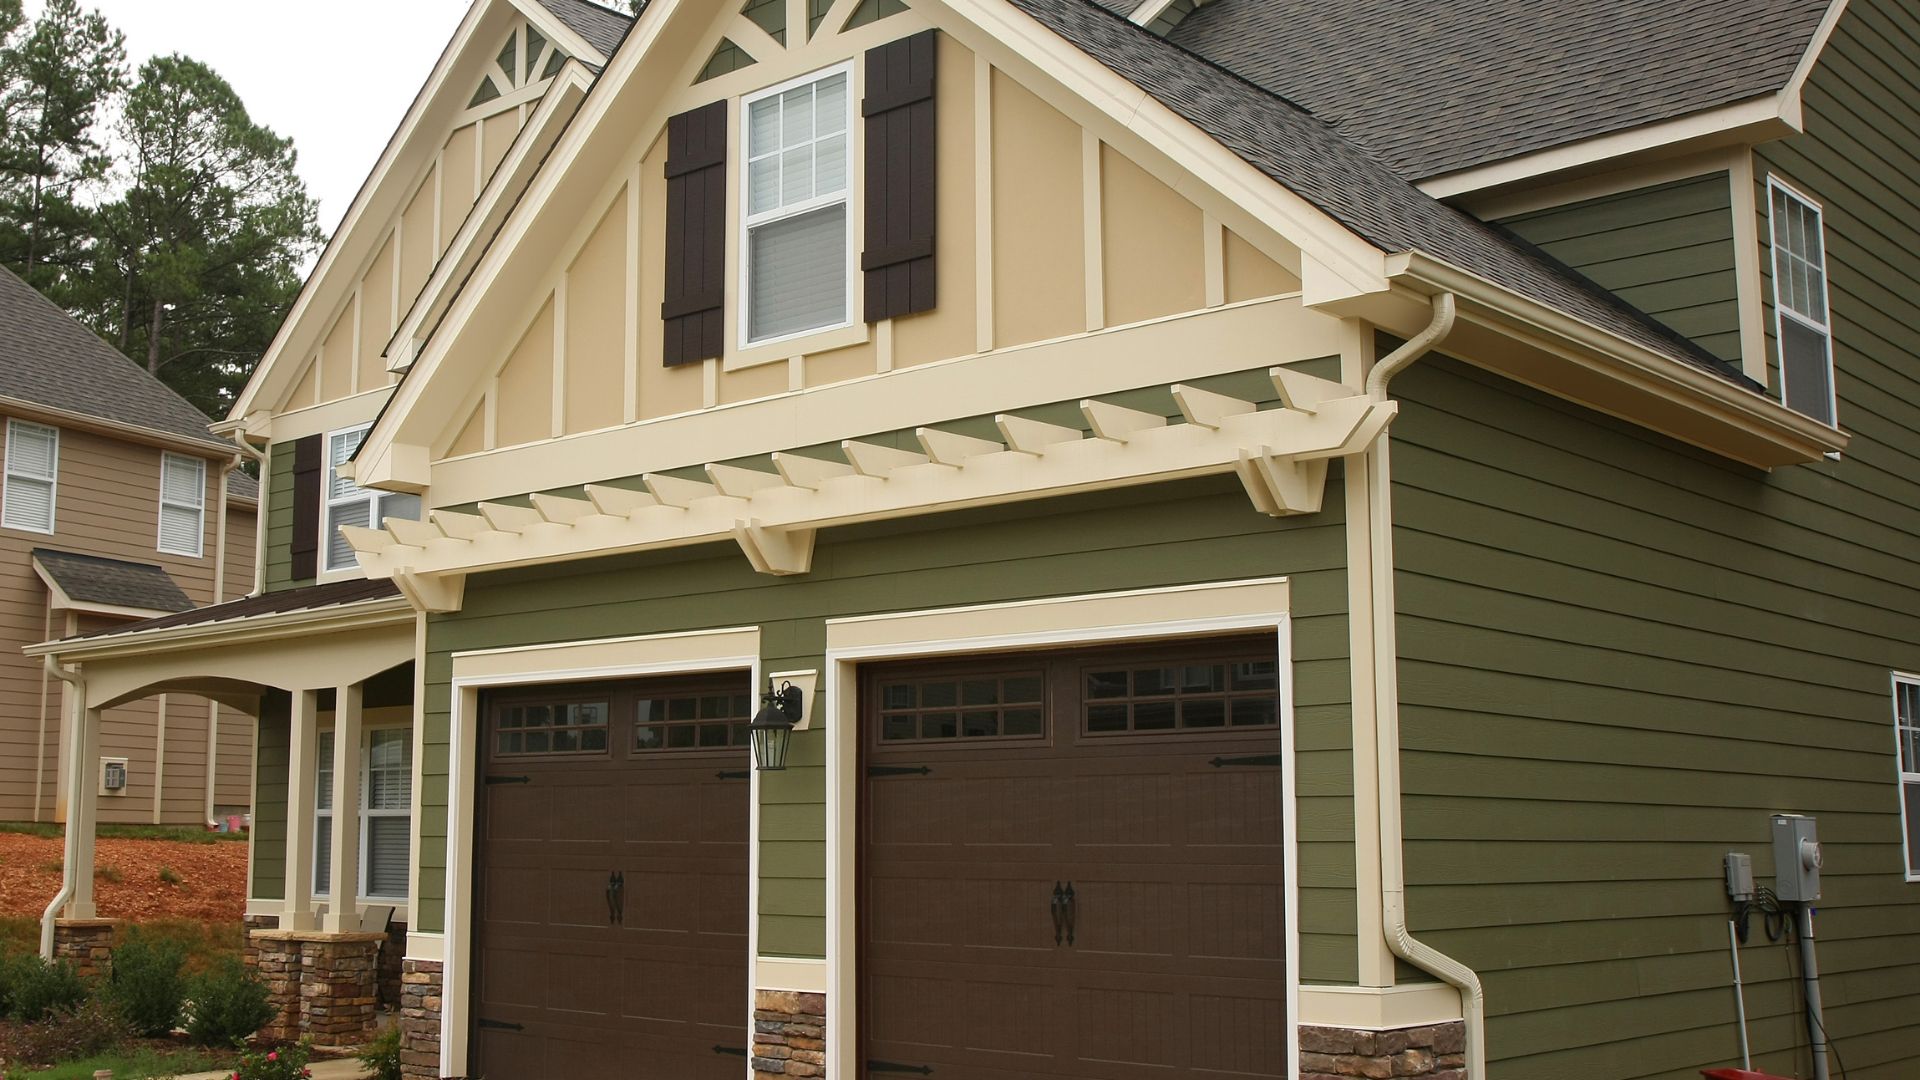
[1180, 611]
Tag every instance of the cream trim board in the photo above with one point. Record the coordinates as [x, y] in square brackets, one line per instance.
[1754, 120]
[357, 410]
[1126, 616]
[421, 945]
[1501, 205]
[1749, 283]
[1791, 95]
[1380, 1008]
[657, 654]
[1147, 11]
[806, 976]
[1092, 238]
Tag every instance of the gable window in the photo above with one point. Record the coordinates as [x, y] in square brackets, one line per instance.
[1906, 728]
[386, 814]
[183, 504]
[1803, 328]
[796, 239]
[346, 503]
[33, 461]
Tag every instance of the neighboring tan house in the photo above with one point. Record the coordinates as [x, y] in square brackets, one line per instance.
[112, 512]
[1305, 532]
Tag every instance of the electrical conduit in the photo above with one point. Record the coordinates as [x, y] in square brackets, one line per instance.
[1386, 653]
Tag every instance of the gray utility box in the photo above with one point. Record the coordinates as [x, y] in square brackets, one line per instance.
[1796, 859]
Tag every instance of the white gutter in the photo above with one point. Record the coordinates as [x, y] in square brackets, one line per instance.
[1386, 694]
[77, 774]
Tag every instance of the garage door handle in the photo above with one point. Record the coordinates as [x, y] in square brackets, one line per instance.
[1059, 913]
[1073, 910]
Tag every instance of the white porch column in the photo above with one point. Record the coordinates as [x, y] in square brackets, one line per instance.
[342, 914]
[296, 911]
[83, 810]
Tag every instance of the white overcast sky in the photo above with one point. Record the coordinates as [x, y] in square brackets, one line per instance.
[336, 75]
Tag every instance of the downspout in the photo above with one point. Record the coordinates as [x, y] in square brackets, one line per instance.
[77, 773]
[1386, 683]
[260, 512]
[219, 594]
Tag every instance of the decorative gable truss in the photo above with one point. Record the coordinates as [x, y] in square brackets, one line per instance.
[1279, 454]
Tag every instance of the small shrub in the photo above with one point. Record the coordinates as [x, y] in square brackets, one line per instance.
[147, 985]
[382, 1058]
[53, 866]
[40, 988]
[226, 1004]
[108, 873]
[169, 876]
[79, 1031]
[287, 1063]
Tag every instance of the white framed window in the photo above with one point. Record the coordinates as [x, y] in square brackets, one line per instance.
[1802, 323]
[386, 814]
[32, 471]
[796, 242]
[183, 504]
[1906, 730]
[346, 503]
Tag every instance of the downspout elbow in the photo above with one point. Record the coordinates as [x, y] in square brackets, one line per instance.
[1445, 307]
[72, 859]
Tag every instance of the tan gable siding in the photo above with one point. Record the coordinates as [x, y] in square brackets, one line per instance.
[596, 332]
[1250, 274]
[376, 318]
[1039, 241]
[418, 252]
[459, 180]
[1152, 250]
[525, 388]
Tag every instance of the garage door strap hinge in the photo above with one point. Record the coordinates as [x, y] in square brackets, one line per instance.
[509, 779]
[898, 770]
[500, 1025]
[736, 1051]
[895, 1067]
[1257, 759]
[731, 774]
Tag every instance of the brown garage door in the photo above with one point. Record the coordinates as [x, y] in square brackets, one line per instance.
[611, 887]
[1073, 866]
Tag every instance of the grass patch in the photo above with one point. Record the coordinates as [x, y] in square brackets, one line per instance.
[138, 1062]
[180, 834]
[205, 943]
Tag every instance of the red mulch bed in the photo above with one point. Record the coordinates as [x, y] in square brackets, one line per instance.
[212, 878]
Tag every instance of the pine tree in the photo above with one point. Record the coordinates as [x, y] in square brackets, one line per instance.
[56, 77]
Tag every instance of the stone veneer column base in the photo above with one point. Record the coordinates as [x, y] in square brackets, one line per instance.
[420, 1019]
[789, 1033]
[87, 944]
[1437, 1051]
[322, 986]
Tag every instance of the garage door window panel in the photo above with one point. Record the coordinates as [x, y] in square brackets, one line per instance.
[1181, 697]
[966, 706]
[714, 720]
[551, 727]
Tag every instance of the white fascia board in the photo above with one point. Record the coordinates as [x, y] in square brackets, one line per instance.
[337, 271]
[1754, 120]
[558, 32]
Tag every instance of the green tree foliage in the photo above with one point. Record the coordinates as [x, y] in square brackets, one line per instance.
[198, 260]
[56, 77]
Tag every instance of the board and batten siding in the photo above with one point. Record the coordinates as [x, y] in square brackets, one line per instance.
[1666, 249]
[1195, 531]
[1619, 657]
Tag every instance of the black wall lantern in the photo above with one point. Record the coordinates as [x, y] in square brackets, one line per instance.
[772, 726]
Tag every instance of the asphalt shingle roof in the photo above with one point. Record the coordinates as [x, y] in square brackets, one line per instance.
[92, 579]
[1309, 158]
[1433, 88]
[48, 359]
[307, 598]
[601, 27]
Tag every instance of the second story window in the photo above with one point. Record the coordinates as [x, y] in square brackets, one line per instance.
[183, 504]
[1800, 303]
[33, 461]
[346, 503]
[795, 218]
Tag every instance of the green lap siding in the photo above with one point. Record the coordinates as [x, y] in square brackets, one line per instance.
[269, 862]
[1195, 531]
[1666, 249]
[279, 522]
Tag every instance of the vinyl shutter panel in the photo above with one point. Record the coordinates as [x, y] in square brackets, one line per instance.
[305, 545]
[695, 284]
[897, 264]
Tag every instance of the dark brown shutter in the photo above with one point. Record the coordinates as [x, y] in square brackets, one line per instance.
[694, 308]
[305, 546]
[898, 261]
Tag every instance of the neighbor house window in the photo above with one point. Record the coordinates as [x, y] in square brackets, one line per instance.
[1906, 727]
[349, 504]
[1802, 322]
[183, 503]
[33, 460]
[795, 217]
[386, 814]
